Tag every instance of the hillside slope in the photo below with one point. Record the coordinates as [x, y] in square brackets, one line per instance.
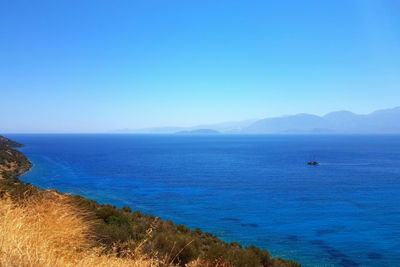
[12, 162]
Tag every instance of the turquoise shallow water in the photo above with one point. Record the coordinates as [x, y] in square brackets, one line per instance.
[251, 189]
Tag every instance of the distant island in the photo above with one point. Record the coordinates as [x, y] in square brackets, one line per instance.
[52, 227]
[385, 121]
[199, 131]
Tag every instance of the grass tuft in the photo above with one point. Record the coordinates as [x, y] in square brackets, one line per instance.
[48, 230]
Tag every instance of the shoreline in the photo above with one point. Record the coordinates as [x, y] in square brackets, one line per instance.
[222, 247]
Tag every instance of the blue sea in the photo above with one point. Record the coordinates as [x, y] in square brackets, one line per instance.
[251, 189]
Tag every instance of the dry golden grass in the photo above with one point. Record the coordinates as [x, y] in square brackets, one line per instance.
[49, 231]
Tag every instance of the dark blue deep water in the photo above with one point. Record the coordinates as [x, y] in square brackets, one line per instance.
[250, 189]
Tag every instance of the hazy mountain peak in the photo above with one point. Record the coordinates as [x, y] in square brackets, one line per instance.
[304, 115]
[342, 114]
[339, 112]
[395, 110]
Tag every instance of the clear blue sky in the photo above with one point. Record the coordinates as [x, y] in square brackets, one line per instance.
[94, 66]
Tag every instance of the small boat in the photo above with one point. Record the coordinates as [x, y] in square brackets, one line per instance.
[313, 163]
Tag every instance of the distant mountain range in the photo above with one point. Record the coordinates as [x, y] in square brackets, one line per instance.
[224, 127]
[379, 122]
[386, 121]
[199, 131]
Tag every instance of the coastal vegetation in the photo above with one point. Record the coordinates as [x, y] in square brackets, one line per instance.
[48, 228]
[12, 162]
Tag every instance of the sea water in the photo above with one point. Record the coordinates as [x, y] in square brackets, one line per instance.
[252, 189]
